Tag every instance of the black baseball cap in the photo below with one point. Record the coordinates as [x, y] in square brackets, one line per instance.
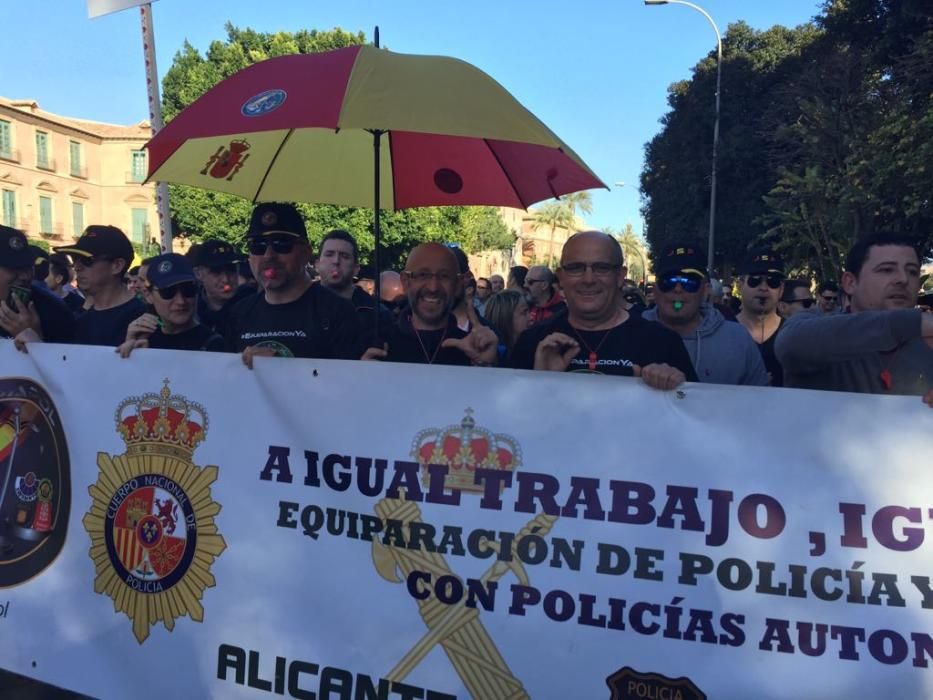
[98, 240]
[275, 219]
[762, 261]
[168, 270]
[681, 257]
[216, 252]
[15, 251]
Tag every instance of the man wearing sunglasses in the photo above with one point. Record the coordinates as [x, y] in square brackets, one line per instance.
[291, 317]
[542, 292]
[215, 264]
[828, 293]
[795, 298]
[761, 284]
[884, 345]
[171, 292]
[101, 256]
[721, 351]
[597, 334]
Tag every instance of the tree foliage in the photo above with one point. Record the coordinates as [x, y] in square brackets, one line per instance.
[826, 135]
[200, 214]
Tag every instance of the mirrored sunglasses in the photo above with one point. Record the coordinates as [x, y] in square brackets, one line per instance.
[689, 283]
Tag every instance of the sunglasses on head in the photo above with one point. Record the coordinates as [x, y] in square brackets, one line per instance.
[280, 246]
[188, 290]
[690, 283]
[774, 280]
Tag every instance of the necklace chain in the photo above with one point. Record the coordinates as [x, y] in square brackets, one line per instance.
[433, 357]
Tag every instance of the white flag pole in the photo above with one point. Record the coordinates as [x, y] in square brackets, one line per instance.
[155, 119]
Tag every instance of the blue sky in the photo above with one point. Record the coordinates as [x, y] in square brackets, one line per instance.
[596, 72]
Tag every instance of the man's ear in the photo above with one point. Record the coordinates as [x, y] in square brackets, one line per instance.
[849, 282]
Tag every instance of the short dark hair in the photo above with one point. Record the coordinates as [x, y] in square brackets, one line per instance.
[860, 251]
[41, 270]
[828, 286]
[339, 234]
[518, 274]
[59, 269]
[791, 286]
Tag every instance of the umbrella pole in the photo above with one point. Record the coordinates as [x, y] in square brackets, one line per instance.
[377, 138]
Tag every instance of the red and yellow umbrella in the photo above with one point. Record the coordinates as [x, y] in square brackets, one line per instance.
[320, 127]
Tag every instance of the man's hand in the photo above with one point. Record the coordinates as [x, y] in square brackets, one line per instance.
[142, 327]
[17, 318]
[376, 353]
[555, 352]
[27, 336]
[125, 348]
[660, 376]
[480, 345]
[255, 351]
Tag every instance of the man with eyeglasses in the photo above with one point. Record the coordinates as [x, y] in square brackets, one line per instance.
[597, 334]
[215, 267]
[427, 332]
[761, 283]
[795, 298]
[542, 293]
[721, 351]
[101, 257]
[828, 293]
[483, 292]
[172, 292]
[291, 317]
[884, 345]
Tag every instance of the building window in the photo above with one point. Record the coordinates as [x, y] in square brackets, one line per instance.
[42, 151]
[74, 150]
[138, 170]
[77, 218]
[6, 140]
[45, 215]
[9, 208]
[140, 225]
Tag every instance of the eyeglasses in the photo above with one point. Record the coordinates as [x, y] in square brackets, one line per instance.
[774, 281]
[425, 276]
[528, 281]
[188, 290]
[806, 303]
[280, 246]
[578, 269]
[90, 261]
[689, 283]
[831, 297]
[482, 288]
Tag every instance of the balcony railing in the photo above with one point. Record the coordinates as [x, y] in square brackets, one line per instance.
[134, 178]
[47, 164]
[10, 154]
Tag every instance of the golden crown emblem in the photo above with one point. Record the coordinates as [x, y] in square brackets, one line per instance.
[162, 423]
[465, 448]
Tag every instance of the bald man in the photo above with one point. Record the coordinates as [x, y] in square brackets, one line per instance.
[427, 331]
[391, 292]
[597, 335]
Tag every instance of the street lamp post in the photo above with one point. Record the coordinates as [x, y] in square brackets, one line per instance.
[712, 192]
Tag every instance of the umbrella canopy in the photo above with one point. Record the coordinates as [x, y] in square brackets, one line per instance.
[303, 128]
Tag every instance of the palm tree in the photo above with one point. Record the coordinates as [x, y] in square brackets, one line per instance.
[578, 200]
[553, 214]
[633, 250]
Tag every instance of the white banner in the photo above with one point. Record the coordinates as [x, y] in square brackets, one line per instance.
[98, 8]
[177, 525]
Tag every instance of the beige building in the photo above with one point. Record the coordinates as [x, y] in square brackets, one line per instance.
[58, 175]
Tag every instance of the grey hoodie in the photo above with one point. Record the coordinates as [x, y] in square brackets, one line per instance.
[722, 352]
[870, 352]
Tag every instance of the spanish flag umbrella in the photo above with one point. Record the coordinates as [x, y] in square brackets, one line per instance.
[366, 127]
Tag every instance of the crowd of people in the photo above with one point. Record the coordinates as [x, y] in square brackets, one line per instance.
[278, 299]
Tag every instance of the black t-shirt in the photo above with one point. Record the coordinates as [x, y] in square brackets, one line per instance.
[107, 327]
[74, 302]
[423, 347]
[769, 357]
[58, 324]
[197, 338]
[634, 342]
[216, 320]
[317, 324]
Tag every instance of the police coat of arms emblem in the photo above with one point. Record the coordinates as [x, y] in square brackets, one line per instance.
[153, 537]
